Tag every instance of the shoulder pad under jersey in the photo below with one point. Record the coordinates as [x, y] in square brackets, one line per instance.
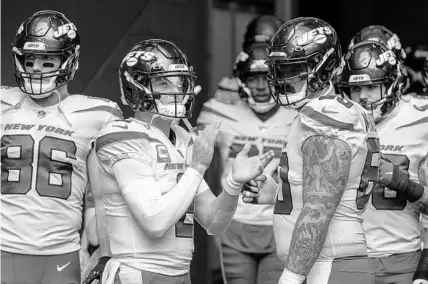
[81, 103]
[227, 91]
[334, 111]
[123, 139]
[214, 111]
[10, 96]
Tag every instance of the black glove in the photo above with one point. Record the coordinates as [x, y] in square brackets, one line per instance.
[97, 272]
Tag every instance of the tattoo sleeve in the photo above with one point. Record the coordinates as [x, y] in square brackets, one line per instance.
[326, 165]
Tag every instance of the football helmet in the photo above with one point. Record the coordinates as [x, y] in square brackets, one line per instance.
[413, 69]
[371, 63]
[383, 35]
[46, 33]
[260, 30]
[156, 70]
[303, 56]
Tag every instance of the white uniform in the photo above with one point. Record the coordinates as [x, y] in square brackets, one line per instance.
[130, 245]
[391, 223]
[44, 173]
[342, 119]
[239, 126]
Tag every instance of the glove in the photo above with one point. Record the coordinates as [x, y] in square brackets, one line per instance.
[97, 271]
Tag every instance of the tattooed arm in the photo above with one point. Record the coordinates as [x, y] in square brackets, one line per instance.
[326, 165]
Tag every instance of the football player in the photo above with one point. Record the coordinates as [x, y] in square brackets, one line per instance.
[327, 166]
[47, 135]
[371, 77]
[151, 171]
[247, 249]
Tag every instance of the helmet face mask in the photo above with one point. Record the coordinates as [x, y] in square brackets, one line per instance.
[303, 56]
[370, 76]
[45, 35]
[155, 77]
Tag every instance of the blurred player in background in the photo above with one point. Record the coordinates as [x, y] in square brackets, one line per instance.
[47, 135]
[247, 249]
[151, 171]
[371, 77]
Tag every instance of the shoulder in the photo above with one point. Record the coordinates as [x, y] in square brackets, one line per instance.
[10, 96]
[333, 111]
[227, 91]
[415, 102]
[122, 138]
[94, 105]
[214, 110]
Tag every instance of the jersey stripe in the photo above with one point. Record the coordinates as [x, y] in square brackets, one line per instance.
[5, 103]
[109, 109]
[325, 120]
[420, 121]
[121, 136]
[207, 109]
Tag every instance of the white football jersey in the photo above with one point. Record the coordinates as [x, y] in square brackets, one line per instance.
[239, 126]
[44, 172]
[332, 116]
[132, 139]
[391, 223]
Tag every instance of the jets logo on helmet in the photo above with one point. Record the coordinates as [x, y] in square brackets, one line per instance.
[45, 34]
[371, 63]
[303, 57]
[154, 71]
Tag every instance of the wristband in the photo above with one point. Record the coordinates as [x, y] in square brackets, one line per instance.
[289, 277]
[232, 187]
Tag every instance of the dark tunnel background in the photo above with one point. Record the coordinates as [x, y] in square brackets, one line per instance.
[109, 28]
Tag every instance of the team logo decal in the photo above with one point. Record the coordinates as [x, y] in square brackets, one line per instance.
[162, 153]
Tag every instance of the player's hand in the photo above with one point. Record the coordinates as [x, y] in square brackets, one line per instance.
[386, 169]
[420, 281]
[261, 190]
[97, 272]
[203, 149]
[245, 168]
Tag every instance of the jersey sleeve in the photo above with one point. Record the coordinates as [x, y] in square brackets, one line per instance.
[115, 143]
[332, 111]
